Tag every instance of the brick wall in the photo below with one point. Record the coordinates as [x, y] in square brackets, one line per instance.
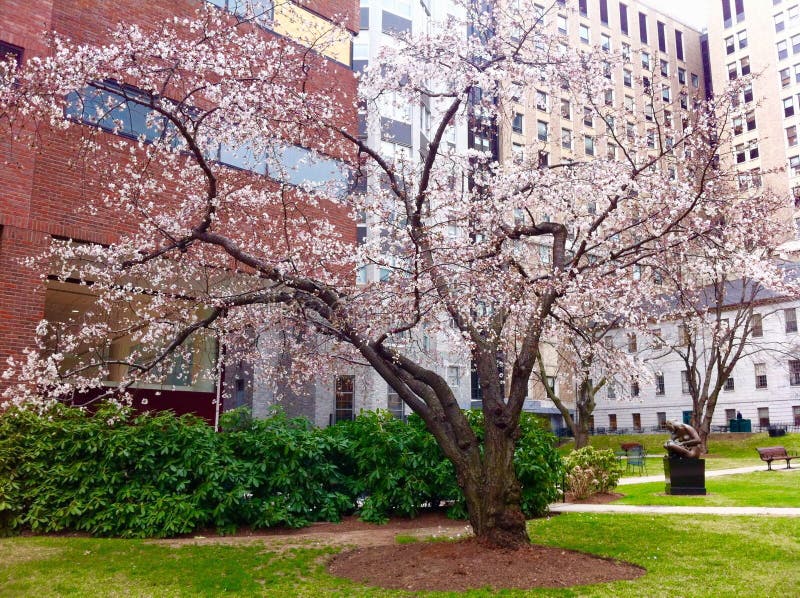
[45, 193]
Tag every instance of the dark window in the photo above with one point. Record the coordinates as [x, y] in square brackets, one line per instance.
[394, 403]
[643, 27]
[662, 36]
[634, 389]
[582, 8]
[637, 421]
[516, 124]
[660, 384]
[623, 18]
[345, 386]
[726, 13]
[791, 319]
[739, 11]
[7, 49]
[729, 385]
[661, 417]
[757, 325]
[612, 421]
[679, 44]
[604, 12]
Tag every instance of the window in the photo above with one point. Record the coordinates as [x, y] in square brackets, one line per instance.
[729, 385]
[679, 44]
[118, 109]
[783, 49]
[628, 102]
[566, 138]
[636, 419]
[626, 52]
[632, 344]
[583, 33]
[635, 389]
[664, 66]
[582, 8]
[738, 126]
[588, 145]
[605, 42]
[666, 93]
[761, 375]
[747, 94]
[750, 119]
[785, 76]
[796, 414]
[744, 65]
[741, 156]
[681, 76]
[794, 165]
[685, 389]
[344, 390]
[623, 18]
[562, 24]
[7, 50]
[660, 383]
[394, 404]
[643, 27]
[611, 151]
[604, 12]
[541, 130]
[261, 8]
[790, 316]
[791, 136]
[796, 43]
[763, 416]
[661, 418]
[742, 38]
[541, 101]
[627, 78]
[612, 390]
[608, 96]
[588, 119]
[646, 60]
[453, 376]
[793, 13]
[794, 372]
[726, 13]
[662, 36]
[732, 71]
[730, 46]
[695, 81]
[779, 23]
[612, 421]
[739, 10]
[566, 112]
[516, 123]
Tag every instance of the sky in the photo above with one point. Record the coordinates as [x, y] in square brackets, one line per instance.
[691, 12]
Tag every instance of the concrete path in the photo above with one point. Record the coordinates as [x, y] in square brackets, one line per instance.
[686, 510]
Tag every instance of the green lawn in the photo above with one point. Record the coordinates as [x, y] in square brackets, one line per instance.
[726, 451]
[757, 489]
[684, 556]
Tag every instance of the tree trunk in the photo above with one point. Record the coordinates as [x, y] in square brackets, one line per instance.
[581, 432]
[493, 493]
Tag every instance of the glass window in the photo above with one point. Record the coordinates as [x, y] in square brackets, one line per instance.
[660, 389]
[636, 419]
[783, 49]
[763, 416]
[685, 382]
[566, 112]
[742, 38]
[541, 130]
[453, 376]
[566, 138]
[605, 42]
[343, 398]
[729, 386]
[790, 316]
[588, 145]
[761, 375]
[627, 78]
[583, 33]
[794, 372]
[757, 325]
[646, 60]
[394, 403]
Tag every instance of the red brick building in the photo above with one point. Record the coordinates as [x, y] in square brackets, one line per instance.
[42, 199]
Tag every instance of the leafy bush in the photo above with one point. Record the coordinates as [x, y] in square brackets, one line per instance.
[393, 466]
[114, 473]
[591, 470]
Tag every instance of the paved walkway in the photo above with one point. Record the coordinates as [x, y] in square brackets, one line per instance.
[688, 510]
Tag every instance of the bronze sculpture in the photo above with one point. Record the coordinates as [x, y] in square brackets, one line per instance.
[685, 441]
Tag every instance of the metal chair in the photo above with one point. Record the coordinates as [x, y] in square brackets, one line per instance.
[636, 458]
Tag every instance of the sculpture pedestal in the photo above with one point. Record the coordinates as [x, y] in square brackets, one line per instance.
[685, 476]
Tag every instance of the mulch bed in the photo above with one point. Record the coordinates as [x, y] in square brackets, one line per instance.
[601, 498]
[467, 564]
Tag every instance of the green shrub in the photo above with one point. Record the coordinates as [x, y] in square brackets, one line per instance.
[590, 470]
[393, 467]
[113, 473]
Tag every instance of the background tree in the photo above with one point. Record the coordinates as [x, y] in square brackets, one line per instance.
[233, 253]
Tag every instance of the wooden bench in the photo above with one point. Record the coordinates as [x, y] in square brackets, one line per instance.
[775, 453]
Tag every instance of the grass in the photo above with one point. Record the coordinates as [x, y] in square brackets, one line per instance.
[757, 489]
[684, 556]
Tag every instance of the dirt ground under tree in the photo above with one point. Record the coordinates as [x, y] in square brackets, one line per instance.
[434, 553]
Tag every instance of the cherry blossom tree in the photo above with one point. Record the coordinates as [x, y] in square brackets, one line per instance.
[480, 250]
